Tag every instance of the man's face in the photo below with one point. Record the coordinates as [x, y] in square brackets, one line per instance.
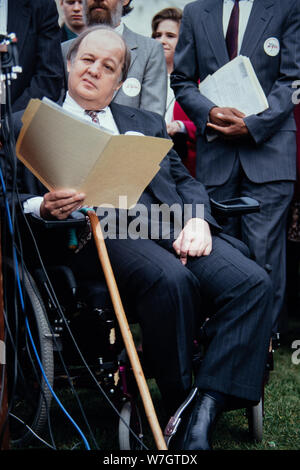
[104, 11]
[72, 10]
[95, 72]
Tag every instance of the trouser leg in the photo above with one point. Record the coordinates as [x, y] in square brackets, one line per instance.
[240, 327]
[265, 235]
[164, 297]
[264, 232]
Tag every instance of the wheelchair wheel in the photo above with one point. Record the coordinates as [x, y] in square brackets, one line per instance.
[255, 421]
[132, 418]
[29, 395]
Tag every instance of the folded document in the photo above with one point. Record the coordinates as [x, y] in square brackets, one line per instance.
[236, 85]
[63, 151]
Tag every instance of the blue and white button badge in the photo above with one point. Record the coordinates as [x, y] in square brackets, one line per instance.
[272, 47]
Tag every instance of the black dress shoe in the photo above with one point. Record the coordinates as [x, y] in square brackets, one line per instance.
[200, 426]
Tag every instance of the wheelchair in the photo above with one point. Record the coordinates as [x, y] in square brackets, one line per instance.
[60, 322]
[62, 343]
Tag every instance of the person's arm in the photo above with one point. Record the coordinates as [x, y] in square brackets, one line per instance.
[155, 81]
[263, 126]
[47, 79]
[194, 240]
[55, 204]
[61, 203]
[185, 76]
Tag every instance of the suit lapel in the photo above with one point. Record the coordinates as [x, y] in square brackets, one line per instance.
[18, 23]
[131, 42]
[125, 118]
[260, 16]
[212, 19]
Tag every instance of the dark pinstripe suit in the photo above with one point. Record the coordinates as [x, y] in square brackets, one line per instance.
[35, 23]
[166, 295]
[264, 165]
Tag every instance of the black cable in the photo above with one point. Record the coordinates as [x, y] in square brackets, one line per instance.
[65, 369]
[66, 323]
[59, 310]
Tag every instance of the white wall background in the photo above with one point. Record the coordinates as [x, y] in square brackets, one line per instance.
[139, 20]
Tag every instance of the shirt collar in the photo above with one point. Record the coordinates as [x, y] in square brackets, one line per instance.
[71, 105]
[120, 28]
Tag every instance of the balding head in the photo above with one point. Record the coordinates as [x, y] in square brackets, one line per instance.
[98, 61]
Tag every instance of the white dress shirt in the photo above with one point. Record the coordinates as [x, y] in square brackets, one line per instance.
[170, 103]
[105, 116]
[245, 10]
[106, 120]
[120, 28]
[170, 108]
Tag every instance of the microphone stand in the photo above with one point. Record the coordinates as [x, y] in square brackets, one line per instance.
[8, 71]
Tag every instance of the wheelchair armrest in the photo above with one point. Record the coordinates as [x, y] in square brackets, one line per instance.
[77, 219]
[235, 207]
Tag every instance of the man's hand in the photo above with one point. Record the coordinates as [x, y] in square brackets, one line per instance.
[228, 121]
[60, 204]
[193, 240]
[173, 127]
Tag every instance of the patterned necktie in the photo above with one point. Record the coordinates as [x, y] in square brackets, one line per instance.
[93, 115]
[233, 31]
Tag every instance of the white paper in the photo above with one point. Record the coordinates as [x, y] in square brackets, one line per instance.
[236, 85]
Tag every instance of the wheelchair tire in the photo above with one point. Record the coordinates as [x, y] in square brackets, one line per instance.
[132, 418]
[255, 421]
[31, 398]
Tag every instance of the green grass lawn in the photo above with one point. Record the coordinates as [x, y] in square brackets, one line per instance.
[281, 430]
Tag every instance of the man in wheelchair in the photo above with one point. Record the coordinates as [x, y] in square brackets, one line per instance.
[165, 279]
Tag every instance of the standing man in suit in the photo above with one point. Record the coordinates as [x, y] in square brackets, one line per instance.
[162, 278]
[253, 155]
[146, 83]
[35, 23]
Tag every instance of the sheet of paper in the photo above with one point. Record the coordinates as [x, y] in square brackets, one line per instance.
[64, 152]
[236, 85]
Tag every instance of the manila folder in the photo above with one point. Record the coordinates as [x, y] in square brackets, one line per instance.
[63, 151]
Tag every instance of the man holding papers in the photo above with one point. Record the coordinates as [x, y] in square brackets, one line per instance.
[240, 154]
[163, 279]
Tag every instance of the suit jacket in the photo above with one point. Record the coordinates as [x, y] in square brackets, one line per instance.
[146, 84]
[172, 184]
[35, 23]
[270, 153]
[66, 34]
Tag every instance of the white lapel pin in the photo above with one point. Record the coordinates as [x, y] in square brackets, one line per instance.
[131, 87]
[272, 47]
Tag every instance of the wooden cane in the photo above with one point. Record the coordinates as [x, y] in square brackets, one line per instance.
[125, 331]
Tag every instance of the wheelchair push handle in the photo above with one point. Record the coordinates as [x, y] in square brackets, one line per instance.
[77, 219]
[236, 206]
